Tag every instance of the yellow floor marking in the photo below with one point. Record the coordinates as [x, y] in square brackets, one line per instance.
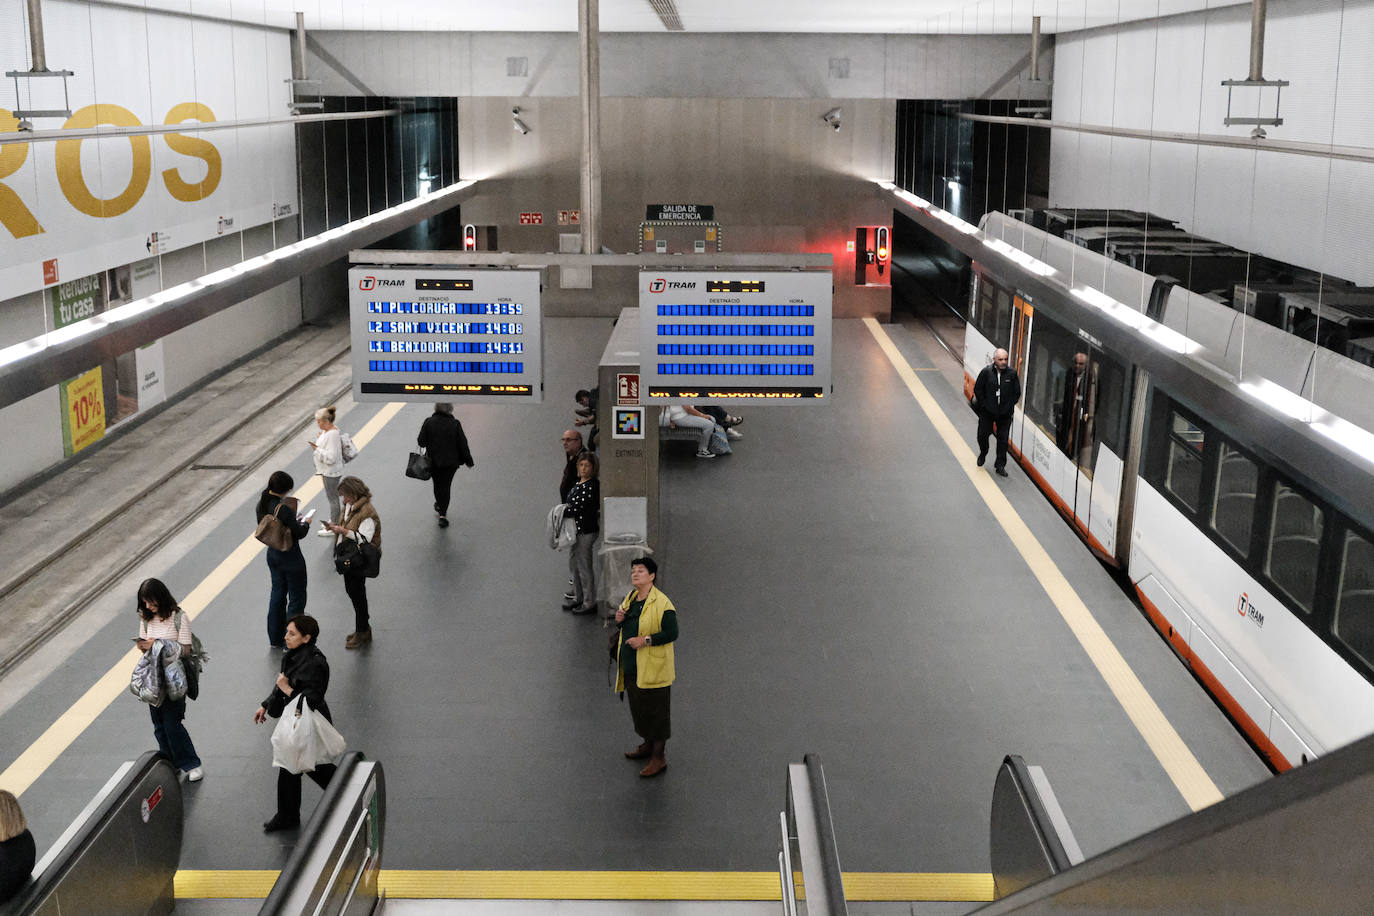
[601, 885]
[36, 759]
[1187, 774]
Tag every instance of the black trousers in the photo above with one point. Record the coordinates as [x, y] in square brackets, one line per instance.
[1001, 428]
[289, 790]
[442, 478]
[356, 586]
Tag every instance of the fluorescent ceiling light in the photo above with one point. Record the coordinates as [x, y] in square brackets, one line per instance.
[1281, 399]
[1030, 262]
[952, 220]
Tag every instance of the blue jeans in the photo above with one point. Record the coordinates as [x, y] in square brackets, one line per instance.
[286, 601]
[172, 737]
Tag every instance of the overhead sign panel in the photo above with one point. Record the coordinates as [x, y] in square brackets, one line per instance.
[723, 336]
[445, 334]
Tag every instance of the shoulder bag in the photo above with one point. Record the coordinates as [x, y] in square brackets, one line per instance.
[354, 557]
[418, 466]
[275, 533]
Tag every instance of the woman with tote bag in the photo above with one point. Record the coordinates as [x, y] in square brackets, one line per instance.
[304, 674]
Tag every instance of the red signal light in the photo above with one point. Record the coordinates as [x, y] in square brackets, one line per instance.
[469, 237]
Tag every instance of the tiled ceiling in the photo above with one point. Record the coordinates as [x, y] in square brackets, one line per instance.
[839, 16]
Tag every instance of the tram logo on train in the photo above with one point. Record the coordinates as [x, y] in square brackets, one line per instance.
[1246, 609]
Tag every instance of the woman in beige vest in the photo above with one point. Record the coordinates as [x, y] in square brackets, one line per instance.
[361, 523]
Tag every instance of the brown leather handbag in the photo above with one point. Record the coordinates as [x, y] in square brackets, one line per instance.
[275, 533]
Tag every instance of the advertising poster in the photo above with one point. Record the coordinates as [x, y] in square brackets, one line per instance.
[83, 411]
[152, 388]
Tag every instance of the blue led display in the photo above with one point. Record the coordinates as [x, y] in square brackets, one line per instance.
[446, 308]
[736, 330]
[736, 350]
[736, 369]
[738, 311]
[414, 365]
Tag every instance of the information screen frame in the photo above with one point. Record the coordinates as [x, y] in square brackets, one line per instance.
[431, 334]
[763, 347]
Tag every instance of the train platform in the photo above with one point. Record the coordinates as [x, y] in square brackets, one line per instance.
[849, 583]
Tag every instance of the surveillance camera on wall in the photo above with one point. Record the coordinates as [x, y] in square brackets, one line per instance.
[832, 117]
[835, 124]
[519, 124]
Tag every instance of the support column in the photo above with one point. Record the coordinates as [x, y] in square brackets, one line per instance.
[38, 55]
[589, 53]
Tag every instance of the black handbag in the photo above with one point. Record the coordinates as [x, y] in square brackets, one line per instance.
[352, 558]
[418, 466]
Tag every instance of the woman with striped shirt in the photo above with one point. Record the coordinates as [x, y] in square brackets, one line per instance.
[157, 610]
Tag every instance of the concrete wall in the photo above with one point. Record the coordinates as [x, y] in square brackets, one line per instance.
[682, 65]
[779, 178]
[1166, 75]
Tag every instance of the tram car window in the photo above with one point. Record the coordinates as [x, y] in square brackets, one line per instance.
[1295, 545]
[992, 313]
[1233, 509]
[1354, 624]
[1184, 477]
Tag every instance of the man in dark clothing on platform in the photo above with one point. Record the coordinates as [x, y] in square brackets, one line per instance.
[572, 447]
[995, 393]
[442, 437]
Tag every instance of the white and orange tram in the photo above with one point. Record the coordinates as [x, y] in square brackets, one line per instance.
[1225, 465]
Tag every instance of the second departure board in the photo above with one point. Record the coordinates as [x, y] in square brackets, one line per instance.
[732, 336]
[443, 334]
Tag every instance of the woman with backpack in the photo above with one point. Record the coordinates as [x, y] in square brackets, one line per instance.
[286, 567]
[329, 461]
[161, 618]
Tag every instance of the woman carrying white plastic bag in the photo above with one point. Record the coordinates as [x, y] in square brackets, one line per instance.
[302, 684]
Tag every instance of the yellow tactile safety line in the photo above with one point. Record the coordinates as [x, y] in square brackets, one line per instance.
[1187, 774]
[602, 885]
[59, 736]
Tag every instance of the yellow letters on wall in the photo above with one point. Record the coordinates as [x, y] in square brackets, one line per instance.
[192, 146]
[14, 216]
[69, 174]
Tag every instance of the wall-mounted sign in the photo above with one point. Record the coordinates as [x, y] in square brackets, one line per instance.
[682, 213]
[531, 219]
[444, 334]
[83, 411]
[718, 337]
[569, 217]
[627, 387]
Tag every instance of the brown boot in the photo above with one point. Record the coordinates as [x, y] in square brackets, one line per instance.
[358, 639]
[657, 763]
[641, 752]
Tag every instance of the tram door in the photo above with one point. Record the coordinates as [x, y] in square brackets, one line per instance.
[1021, 314]
[1077, 432]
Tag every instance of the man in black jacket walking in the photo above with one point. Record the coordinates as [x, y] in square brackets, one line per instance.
[995, 393]
[442, 435]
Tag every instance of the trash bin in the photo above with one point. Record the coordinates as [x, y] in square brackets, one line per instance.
[613, 566]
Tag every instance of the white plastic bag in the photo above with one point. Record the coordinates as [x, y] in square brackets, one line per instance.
[293, 740]
[304, 739]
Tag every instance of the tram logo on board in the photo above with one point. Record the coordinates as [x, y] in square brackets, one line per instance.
[657, 286]
[1246, 609]
[367, 283]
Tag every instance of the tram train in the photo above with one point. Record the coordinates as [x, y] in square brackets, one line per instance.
[1255, 562]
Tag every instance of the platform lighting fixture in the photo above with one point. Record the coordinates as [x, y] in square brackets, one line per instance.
[517, 123]
[115, 315]
[832, 117]
[1280, 398]
[950, 219]
[1029, 262]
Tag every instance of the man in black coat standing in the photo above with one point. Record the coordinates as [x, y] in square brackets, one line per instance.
[995, 393]
[442, 436]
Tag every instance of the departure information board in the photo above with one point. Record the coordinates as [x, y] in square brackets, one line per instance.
[445, 334]
[723, 336]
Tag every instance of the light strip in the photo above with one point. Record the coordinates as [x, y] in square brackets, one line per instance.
[1028, 261]
[1281, 399]
[98, 323]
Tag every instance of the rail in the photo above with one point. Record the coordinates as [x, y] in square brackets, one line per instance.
[334, 869]
[120, 854]
[1030, 839]
[808, 838]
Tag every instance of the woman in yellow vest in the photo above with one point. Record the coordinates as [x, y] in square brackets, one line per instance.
[648, 629]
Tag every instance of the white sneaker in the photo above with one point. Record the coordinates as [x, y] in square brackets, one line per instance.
[734, 433]
[324, 533]
[705, 454]
[195, 775]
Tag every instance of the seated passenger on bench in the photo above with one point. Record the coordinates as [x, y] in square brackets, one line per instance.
[674, 416]
[724, 420]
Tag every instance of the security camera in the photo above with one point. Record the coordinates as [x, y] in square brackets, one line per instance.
[832, 117]
[515, 111]
[835, 124]
[517, 123]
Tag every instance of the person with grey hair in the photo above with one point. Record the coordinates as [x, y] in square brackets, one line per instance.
[329, 463]
[995, 393]
[442, 438]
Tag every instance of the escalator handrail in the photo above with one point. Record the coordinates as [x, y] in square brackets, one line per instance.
[825, 829]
